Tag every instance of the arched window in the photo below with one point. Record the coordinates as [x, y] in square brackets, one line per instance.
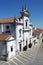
[26, 24]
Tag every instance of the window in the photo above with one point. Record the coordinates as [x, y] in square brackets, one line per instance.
[7, 27]
[26, 22]
[20, 33]
[11, 48]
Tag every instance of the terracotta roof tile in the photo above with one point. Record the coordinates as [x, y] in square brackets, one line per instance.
[38, 30]
[4, 36]
[7, 20]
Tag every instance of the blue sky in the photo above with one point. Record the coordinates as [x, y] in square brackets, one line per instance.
[11, 8]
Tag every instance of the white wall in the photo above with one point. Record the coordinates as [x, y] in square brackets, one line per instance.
[9, 44]
[26, 37]
[18, 38]
[27, 34]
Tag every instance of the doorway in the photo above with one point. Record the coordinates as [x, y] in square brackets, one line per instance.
[20, 47]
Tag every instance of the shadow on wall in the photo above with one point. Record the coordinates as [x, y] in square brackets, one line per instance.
[3, 51]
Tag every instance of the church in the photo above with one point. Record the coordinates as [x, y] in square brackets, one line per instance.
[15, 33]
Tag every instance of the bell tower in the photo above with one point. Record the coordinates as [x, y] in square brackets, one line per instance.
[25, 16]
[27, 28]
[25, 12]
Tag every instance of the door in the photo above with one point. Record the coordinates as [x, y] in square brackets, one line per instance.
[20, 47]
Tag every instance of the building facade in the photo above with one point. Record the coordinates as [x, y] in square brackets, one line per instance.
[20, 33]
[37, 36]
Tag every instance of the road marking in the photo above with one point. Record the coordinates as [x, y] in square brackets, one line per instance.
[22, 58]
[19, 60]
[25, 56]
[13, 62]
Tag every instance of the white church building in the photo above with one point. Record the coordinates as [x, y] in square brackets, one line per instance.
[15, 33]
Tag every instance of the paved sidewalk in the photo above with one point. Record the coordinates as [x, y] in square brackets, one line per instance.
[28, 57]
[39, 57]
